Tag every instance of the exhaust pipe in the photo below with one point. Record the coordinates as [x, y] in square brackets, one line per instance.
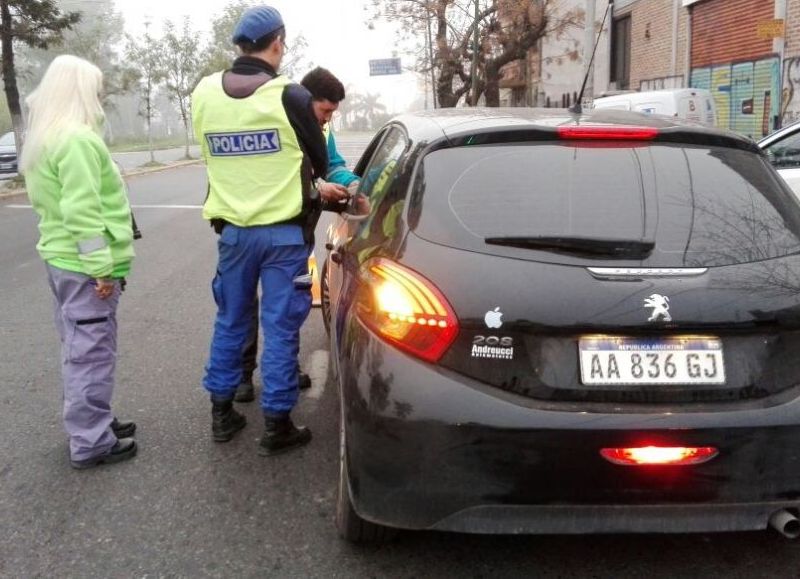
[785, 523]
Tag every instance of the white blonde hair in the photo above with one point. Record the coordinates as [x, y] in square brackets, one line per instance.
[67, 98]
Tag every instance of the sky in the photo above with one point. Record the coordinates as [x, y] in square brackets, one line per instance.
[336, 32]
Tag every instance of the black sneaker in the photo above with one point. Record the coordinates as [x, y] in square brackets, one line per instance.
[123, 428]
[124, 449]
[281, 435]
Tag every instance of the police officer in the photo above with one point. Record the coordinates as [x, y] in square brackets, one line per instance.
[327, 92]
[263, 146]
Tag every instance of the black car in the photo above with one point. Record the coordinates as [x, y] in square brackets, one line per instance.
[562, 323]
[8, 154]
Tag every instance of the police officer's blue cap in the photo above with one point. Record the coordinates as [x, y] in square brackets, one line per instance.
[256, 23]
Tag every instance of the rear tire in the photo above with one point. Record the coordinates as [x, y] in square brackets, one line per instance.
[351, 527]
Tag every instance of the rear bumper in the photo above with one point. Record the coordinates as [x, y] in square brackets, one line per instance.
[595, 519]
[429, 449]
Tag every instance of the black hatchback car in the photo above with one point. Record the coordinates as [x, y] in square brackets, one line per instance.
[559, 323]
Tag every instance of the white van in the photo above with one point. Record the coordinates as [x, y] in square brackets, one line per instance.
[694, 104]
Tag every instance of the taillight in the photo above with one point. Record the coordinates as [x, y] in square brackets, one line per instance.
[659, 455]
[608, 133]
[405, 309]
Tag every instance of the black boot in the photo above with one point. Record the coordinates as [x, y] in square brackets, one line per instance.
[123, 428]
[225, 421]
[281, 435]
[245, 392]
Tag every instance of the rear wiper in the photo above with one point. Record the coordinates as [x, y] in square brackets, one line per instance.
[588, 246]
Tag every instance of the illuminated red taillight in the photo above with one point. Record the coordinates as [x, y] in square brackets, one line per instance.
[659, 455]
[608, 133]
[405, 309]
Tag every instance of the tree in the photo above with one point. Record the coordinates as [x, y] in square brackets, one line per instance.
[94, 38]
[145, 56]
[180, 64]
[220, 51]
[36, 23]
[506, 30]
[362, 112]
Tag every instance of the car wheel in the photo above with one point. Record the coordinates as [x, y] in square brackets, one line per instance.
[352, 527]
[325, 297]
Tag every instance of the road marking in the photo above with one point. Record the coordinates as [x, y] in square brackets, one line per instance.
[318, 372]
[15, 206]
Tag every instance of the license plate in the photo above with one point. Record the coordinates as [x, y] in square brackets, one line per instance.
[630, 361]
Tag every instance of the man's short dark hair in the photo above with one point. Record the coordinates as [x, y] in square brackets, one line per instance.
[262, 43]
[323, 85]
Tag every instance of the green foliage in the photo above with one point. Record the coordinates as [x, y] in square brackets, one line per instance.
[39, 23]
[221, 52]
[362, 112]
[145, 58]
[94, 37]
[180, 64]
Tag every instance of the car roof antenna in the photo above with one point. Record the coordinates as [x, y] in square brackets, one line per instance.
[577, 108]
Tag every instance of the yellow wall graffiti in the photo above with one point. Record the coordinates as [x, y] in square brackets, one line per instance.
[745, 93]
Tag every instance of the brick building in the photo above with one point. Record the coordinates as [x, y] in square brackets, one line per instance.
[790, 101]
[746, 52]
[649, 49]
[552, 73]
[733, 48]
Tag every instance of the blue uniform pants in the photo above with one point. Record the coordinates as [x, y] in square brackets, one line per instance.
[277, 256]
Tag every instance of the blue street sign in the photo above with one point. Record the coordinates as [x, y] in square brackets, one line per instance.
[385, 66]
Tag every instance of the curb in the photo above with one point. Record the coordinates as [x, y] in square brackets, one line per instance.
[125, 175]
[148, 170]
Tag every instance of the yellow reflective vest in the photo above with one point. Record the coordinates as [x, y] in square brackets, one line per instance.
[251, 151]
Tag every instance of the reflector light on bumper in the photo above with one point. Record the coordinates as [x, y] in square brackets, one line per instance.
[659, 455]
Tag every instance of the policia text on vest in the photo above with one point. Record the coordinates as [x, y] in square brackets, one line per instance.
[244, 143]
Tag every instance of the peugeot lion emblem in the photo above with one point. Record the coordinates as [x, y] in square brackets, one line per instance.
[660, 305]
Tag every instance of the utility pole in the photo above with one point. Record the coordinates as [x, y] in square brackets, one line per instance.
[474, 73]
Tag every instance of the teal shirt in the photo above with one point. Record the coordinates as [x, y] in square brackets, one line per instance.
[337, 167]
[84, 216]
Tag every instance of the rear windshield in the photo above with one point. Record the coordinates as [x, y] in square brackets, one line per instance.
[7, 139]
[701, 206]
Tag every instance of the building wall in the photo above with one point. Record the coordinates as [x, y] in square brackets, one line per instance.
[790, 107]
[652, 38]
[561, 59]
[739, 68]
[726, 31]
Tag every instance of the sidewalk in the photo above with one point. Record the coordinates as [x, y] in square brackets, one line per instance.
[6, 192]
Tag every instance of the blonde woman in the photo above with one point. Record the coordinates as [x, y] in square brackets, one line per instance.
[86, 243]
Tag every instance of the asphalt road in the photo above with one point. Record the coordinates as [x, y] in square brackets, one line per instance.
[186, 507]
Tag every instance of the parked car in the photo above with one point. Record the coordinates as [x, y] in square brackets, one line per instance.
[692, 104]
[783, 151]
[553, 323]
[8, 154]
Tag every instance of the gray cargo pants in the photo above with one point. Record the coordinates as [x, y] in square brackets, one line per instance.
[88, 329]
